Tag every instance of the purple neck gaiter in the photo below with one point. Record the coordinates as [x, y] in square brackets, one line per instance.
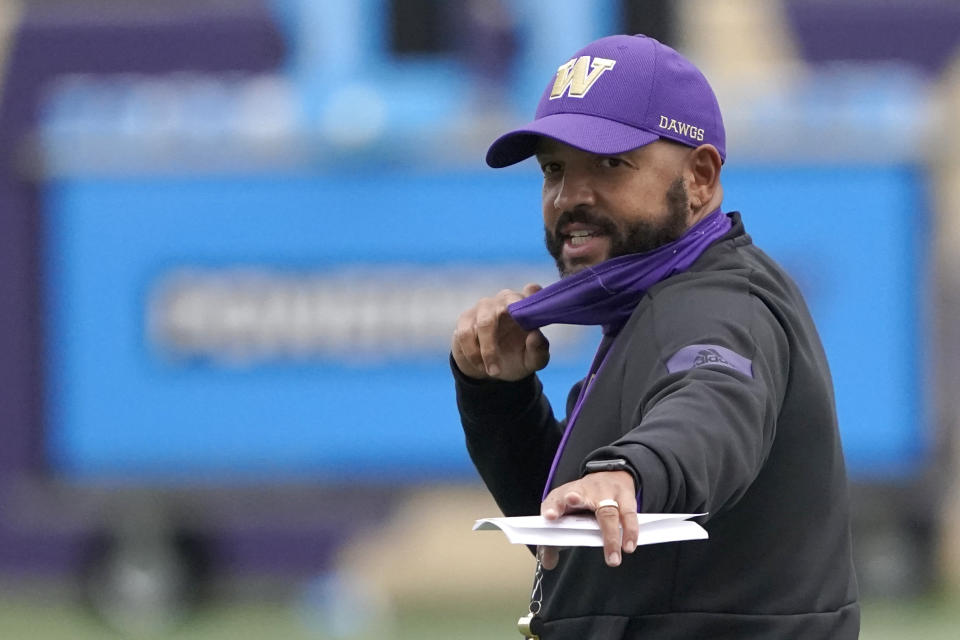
[606, 294]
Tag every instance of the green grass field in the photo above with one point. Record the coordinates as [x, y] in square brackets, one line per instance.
[932, 618]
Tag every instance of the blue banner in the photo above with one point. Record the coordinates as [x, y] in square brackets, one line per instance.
[296, 327]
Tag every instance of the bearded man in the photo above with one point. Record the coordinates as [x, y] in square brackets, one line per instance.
[710, 391]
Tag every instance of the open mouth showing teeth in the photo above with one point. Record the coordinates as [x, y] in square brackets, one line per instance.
[577, 238]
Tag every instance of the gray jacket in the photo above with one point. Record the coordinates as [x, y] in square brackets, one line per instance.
[717, 391]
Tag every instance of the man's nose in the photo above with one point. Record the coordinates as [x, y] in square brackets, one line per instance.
[575, 190]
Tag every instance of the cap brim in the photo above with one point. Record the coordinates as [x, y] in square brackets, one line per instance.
[585, 132]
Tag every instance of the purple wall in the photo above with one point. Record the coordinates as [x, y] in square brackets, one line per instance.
[923, 33]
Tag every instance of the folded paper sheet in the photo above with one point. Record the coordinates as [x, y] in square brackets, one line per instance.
[582, 530]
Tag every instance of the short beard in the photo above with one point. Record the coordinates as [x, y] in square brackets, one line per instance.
[636, 237]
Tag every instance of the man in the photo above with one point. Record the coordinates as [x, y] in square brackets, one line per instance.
[710, 392]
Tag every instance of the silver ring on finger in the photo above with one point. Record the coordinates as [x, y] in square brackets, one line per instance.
[608, 503]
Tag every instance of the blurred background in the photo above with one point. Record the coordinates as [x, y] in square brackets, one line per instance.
[235, 236]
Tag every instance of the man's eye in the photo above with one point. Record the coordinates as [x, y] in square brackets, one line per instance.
[549, 168]
[611, 162]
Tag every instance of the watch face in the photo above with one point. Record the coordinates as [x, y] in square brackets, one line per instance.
[617, 464]
[606, 465]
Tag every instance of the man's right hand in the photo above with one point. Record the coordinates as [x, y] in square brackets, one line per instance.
[488, 343]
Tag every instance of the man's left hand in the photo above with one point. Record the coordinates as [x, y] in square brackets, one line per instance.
[597, 492]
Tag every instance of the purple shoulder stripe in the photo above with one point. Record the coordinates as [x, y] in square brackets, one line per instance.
[699, 355]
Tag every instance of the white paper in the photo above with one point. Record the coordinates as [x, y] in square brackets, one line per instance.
[582, 530]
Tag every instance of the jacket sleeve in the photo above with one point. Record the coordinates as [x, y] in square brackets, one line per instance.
[703, 400]
[511, 437]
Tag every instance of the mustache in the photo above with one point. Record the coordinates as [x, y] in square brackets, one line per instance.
[605, 225]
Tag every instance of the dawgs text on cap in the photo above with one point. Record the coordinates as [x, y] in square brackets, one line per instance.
[616, 94]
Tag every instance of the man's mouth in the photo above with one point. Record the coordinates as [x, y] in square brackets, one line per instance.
[583, 244]
[578, 241]
[577, 238]
[578, 234]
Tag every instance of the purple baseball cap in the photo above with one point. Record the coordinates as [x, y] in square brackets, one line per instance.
[616, 94]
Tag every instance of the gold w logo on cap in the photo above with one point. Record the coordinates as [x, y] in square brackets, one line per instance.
[577, 76]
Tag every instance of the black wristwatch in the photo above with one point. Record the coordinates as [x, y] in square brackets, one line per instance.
[612, 464]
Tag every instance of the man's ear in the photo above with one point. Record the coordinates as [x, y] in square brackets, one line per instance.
[703, 179]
